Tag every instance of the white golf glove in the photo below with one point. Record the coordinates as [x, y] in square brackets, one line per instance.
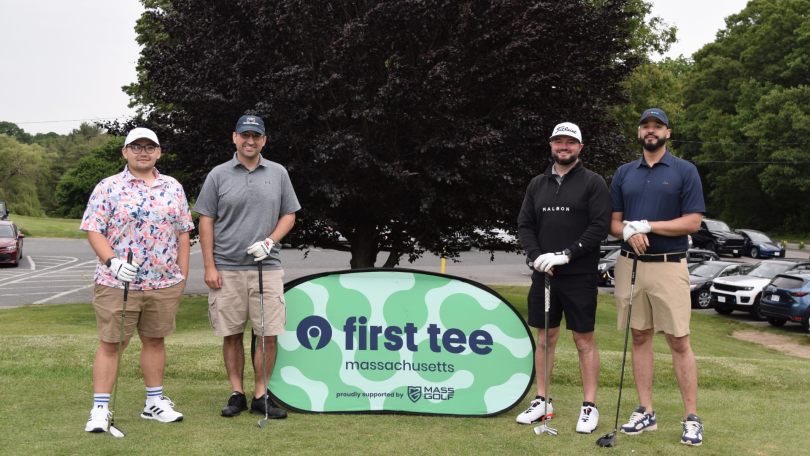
[633, 228]
[548, 260]
[261, 249]
[123, 271]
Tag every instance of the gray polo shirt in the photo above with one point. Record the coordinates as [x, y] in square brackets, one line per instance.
[245, 205]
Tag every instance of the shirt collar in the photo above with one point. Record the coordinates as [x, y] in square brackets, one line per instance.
[128, 177]
[667, 159]
[262, 162]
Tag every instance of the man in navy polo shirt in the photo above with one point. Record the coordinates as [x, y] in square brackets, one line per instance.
[657, 202]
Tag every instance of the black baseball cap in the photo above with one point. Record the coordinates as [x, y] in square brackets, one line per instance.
[657, 113]
[250, 123]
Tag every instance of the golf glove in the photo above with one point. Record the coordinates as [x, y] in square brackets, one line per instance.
[261, 249]
[123, 271]
[633, 228]
[548, 260]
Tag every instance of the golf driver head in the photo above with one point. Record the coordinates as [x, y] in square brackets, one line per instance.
[263, 422]
[607, 440]
[115, 432]
[544, 429]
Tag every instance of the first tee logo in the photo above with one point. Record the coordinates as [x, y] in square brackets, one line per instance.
[314, 326]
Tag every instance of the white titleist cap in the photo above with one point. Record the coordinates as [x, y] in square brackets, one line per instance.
[140, 132]
[567, 129]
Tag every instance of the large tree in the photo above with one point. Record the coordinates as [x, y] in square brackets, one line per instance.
[746, 121]
[405, 119]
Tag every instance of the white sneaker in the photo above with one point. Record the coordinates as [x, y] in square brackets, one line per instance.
[99, 416]
[161, 410]
[588, 420]
[534, 414]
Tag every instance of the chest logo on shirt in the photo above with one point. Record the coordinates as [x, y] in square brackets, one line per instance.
[666, 183]
[557, 209]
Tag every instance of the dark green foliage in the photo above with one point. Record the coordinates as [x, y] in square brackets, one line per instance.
[76, 185]
[400, 118]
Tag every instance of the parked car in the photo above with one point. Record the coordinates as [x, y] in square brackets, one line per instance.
[3, 210]
[610, 240]
[787, 298]
[702, 274]
[502, 239]
[604, 250]
[11, 243]
[456, 241]
[716, 236]
[607, 276]
[759, 245]
[744, 292]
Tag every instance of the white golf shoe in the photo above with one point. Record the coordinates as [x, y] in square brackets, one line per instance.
[161, 410]
[588, 420]
[534, 414]
[99, 417]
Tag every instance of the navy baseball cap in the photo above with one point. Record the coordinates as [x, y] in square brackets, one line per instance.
[250, 123]
[657, 113]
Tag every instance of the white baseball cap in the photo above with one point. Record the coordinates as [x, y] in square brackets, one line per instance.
[140, 132]
[567, 129]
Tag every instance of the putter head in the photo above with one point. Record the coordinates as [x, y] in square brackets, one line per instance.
[607, 440]
[115, 432]
[263, 422]
[544, 429]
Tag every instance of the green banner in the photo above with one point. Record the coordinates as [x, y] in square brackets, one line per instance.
[400, 341]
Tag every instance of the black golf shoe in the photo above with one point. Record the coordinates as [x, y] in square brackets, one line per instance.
[273, 412]
[237, 403]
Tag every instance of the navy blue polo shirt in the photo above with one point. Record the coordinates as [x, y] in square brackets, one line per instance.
[666, 191]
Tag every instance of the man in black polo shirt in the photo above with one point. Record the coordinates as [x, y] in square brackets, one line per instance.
[657, 201]
[564, 217]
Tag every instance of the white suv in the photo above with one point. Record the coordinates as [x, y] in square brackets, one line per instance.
[744, 292]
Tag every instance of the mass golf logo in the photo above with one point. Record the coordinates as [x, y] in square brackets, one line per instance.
[414, 393]
[400, 340]
[314, 326]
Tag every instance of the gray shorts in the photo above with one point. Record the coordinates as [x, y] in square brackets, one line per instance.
[230, 306]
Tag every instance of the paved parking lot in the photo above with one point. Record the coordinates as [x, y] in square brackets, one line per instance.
[59, 271]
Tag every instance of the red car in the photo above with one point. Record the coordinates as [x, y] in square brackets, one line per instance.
[11, 243]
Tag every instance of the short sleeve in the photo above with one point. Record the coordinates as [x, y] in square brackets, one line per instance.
[184, 222]
[692, 191]
[99, 209]
[616, 197]
[207, 200]
[289, 202]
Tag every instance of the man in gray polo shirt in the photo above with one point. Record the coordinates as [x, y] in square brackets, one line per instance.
[246, 206]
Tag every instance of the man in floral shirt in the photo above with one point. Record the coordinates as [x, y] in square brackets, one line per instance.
[146, 213]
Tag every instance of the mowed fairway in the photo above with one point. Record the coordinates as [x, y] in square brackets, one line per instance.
[751, 400]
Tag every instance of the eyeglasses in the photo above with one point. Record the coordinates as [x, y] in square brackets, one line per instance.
[149, 148]
[254, 136]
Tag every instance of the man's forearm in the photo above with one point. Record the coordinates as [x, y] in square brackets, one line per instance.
[183, 252]
[284, 225]
[616, 225]
[207, 241]
[100, 245]
[680, 226]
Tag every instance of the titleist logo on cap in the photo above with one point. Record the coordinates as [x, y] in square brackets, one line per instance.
[564, 128]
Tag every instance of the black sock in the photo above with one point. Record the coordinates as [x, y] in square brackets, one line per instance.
[540, 398]
[589, 404]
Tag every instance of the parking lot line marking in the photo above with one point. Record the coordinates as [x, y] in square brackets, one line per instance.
[48, 273]
[33, 265]
[43, 301]
[73, 260]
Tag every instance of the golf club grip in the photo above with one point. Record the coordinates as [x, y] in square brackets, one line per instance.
[260, 278]
[126, 284]
[548, 293]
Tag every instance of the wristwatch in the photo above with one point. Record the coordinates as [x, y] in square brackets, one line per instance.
[109, 261]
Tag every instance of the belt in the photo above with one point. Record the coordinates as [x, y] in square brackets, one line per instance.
[662, 258]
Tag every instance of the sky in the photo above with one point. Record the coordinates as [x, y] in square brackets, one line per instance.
[64, 61]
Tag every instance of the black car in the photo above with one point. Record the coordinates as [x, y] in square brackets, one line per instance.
[701, 276]
[608, 278]
[716, 236]
[759, 245]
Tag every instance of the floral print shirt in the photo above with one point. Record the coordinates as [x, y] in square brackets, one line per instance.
[142, 219]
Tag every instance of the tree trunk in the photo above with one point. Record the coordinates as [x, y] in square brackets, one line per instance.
[364, 248]
[393, 257]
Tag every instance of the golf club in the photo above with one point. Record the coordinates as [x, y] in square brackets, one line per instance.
[609, 440]
[263, 421]
[114, 431]
[543, 428]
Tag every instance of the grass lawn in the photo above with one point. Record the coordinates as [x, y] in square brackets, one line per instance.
[751, 398]
[43, 227]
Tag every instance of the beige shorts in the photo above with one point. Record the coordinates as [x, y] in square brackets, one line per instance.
[151, 311]
[228, 307]
[660, 297]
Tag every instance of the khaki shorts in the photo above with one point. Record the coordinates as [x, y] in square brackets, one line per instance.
[660, 297]
[151, 311]
[228, 308]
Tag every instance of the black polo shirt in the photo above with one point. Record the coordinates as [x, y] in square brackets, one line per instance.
[666, 191]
